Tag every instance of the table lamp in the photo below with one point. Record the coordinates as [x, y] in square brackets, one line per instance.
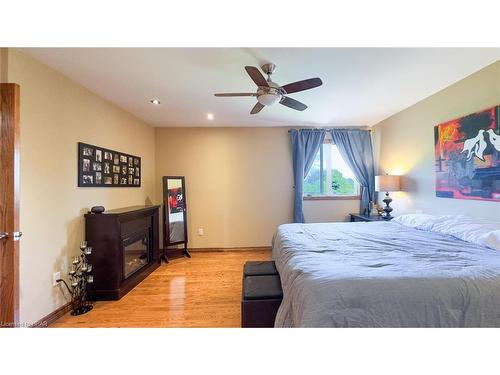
[387, 183]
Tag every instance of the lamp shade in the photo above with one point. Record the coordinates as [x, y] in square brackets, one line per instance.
[387, 183]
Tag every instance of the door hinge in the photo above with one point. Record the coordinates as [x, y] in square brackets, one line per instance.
[16, 236]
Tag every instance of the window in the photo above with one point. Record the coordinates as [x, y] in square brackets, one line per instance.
[330, 176]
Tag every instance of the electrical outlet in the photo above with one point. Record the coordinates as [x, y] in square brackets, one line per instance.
[201, 232]
[55, 276]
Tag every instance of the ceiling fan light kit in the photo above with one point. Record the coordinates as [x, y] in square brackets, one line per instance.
[270, 97]
[269, 92]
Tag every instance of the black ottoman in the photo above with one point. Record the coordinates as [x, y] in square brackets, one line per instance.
[259, 268]
[261, 299]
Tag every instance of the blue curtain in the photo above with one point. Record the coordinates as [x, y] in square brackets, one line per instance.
[355, 146]
[305, 146]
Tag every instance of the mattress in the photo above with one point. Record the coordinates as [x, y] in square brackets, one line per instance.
[383, 274]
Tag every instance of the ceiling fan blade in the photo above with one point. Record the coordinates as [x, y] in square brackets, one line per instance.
[236, 94]
[257, 108]
[292, 103]
[306, 84]
[256, 76]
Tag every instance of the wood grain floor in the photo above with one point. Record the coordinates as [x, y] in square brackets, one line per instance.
[204, 291]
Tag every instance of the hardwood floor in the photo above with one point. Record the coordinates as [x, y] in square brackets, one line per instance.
[204, 291]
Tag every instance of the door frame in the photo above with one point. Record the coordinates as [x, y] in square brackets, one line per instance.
[9, 203]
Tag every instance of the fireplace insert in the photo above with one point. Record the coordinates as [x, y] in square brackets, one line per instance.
[137, 250]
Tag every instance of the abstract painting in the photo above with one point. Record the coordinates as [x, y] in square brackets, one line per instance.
[467, 155]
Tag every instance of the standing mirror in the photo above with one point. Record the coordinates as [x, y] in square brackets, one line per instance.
[174, 214]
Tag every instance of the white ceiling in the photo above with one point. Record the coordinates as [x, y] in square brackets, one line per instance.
[361, 86]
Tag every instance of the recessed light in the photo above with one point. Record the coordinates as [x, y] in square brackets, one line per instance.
[155, 101]
[210, 116]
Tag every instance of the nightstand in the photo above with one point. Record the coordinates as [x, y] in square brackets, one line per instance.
[359, 217]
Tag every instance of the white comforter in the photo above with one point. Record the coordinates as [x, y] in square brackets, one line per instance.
[384, 274]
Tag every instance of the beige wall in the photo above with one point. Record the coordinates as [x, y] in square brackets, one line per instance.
[404, 144]
[323, 211]
[238, 183]
[56, 113]
[3, 64]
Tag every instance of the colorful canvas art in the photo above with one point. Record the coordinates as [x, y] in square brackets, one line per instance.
[467, 152]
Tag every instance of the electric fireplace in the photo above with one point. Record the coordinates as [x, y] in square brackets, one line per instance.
[125, 243]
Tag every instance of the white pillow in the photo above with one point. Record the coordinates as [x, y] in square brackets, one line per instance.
[491, 239]
[417, 221]
[478, 231]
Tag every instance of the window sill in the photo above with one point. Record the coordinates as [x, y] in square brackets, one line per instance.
[331, 198]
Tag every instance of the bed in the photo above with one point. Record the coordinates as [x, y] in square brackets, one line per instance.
[176, 227]
[386, 274]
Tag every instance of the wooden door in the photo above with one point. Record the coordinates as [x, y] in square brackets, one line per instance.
[9, 207]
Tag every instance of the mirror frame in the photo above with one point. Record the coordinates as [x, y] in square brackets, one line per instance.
[166, 221]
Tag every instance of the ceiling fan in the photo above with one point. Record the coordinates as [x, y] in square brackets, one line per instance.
[269, 92]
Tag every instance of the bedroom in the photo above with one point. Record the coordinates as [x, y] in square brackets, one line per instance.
[146, 201]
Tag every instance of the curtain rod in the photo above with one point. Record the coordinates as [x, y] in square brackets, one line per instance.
[332, 128]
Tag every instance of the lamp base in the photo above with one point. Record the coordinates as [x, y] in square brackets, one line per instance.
[82, 310]
[387, 209]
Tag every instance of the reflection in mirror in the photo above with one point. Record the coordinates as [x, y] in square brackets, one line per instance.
[174, 215]
[175, 204]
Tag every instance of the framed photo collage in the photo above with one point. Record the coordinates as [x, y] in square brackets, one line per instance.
[101, 167]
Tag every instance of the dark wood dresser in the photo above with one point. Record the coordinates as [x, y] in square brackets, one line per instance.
[125, 249]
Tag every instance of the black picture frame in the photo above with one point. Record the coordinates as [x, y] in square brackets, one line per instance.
[97, 167]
